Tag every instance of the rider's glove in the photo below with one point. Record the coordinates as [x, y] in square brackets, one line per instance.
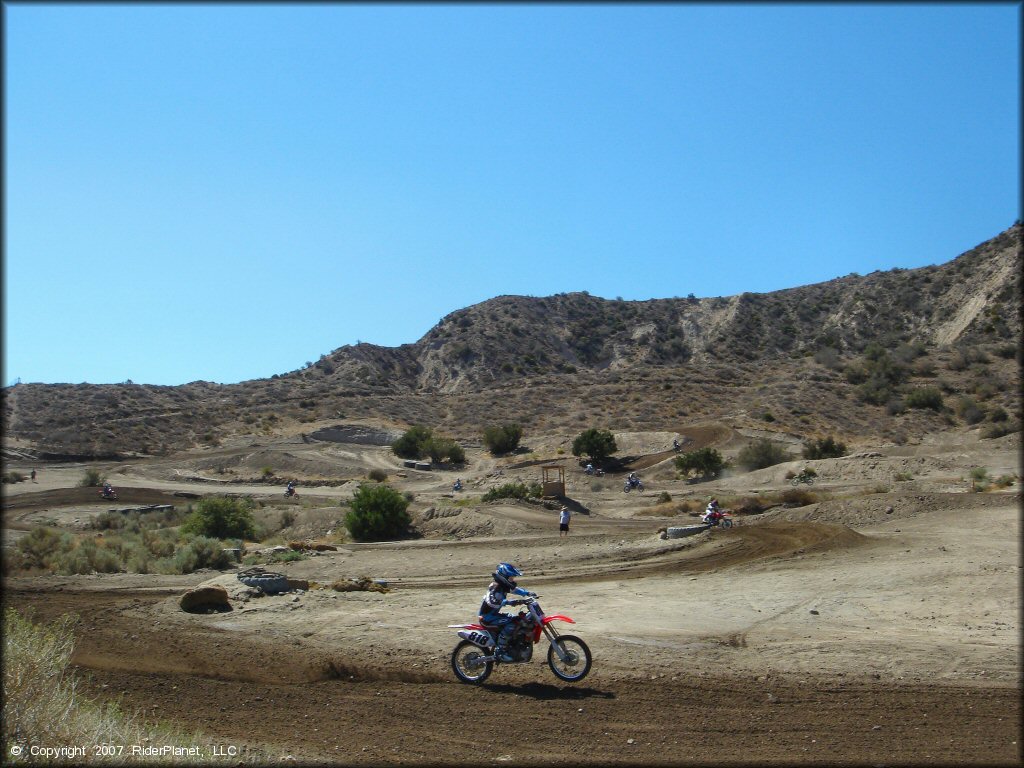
[531, 594]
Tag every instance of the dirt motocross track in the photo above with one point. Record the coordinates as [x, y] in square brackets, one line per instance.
[866, 629]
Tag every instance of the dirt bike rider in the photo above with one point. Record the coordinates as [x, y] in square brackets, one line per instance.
[497, 597]
[633, 480]
[712, 513]
[290, 488]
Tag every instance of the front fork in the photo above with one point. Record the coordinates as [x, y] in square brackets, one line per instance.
[552, 635]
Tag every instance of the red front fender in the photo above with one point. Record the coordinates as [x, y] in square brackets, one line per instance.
[558, 617]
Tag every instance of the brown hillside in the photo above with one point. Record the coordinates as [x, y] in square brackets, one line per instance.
[799, 359]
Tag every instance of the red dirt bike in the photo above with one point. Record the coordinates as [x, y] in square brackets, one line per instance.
[290, 492]
[474, 657]
[106, 492]
[721, 519]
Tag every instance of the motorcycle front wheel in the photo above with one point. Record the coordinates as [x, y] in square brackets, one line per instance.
[727, 523]
[577, 660]
[468, 664]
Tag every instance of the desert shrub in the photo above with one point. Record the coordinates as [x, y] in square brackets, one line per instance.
[287, 519]
[664, 497]
[503, 438]
[908, 352]
[761, 453]
[876, 390]
[13, 477]
[824, 448]
[513, 491]
[41, 546]
[1004, 481]
[267, 473]
[91, 478]
[87, 557]
[798, 497]
[1006, 351]
[200, 552]
[896, 406]
[706, 462]
[595, 443]
[377, 475]
[828, 357]
[968, 410]
[412, 444]
[222, 518]
[902, 477]
[924, 397]
[441, 448]
[992, 431]
[377, 513]
[998, 414]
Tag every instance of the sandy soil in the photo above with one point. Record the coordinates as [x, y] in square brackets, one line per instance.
[878, 626]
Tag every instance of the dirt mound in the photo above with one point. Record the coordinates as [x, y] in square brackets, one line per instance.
[870, 510]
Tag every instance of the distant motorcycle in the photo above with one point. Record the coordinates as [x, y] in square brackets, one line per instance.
[107, 492]
[806, 476]
[289, 492]
[632, 483]
[719, 518]
[593, 471]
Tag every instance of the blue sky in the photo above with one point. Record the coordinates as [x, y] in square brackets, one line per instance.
[225, 192]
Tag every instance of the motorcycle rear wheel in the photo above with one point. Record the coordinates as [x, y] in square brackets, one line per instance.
[467, 664]
[577, 664]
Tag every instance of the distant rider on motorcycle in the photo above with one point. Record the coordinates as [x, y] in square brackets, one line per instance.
[712, 513]
[497, 597]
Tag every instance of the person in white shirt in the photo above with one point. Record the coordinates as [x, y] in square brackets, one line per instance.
[563, 522]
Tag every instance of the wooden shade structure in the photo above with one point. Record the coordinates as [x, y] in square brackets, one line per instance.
[552, 481]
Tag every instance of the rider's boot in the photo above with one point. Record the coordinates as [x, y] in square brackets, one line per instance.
[501, 651]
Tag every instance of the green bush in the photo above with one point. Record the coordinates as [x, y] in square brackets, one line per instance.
[412, 444]
[706, 462]
[924, 397]
[377, 513]
[13, 477]
[377, 475]
[91, 479]
[502, 439]
[41, 546]
[761, 453]
[441, 448]
[201, 552]
[513, 491]
[87, 557]
[595, 443]
[222, 518]
[824, 448]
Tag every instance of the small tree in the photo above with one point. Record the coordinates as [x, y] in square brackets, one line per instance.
[502, 439]
[824, 448]
[761, 453]
[595, 443]
[91, 478]
[441, 448]
[221, 518]
[706, 462]
[412, 445]
[377, 513]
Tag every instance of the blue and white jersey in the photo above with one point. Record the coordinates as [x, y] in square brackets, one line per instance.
[496, 597]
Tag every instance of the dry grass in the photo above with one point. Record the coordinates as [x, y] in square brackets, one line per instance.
[43, 707]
